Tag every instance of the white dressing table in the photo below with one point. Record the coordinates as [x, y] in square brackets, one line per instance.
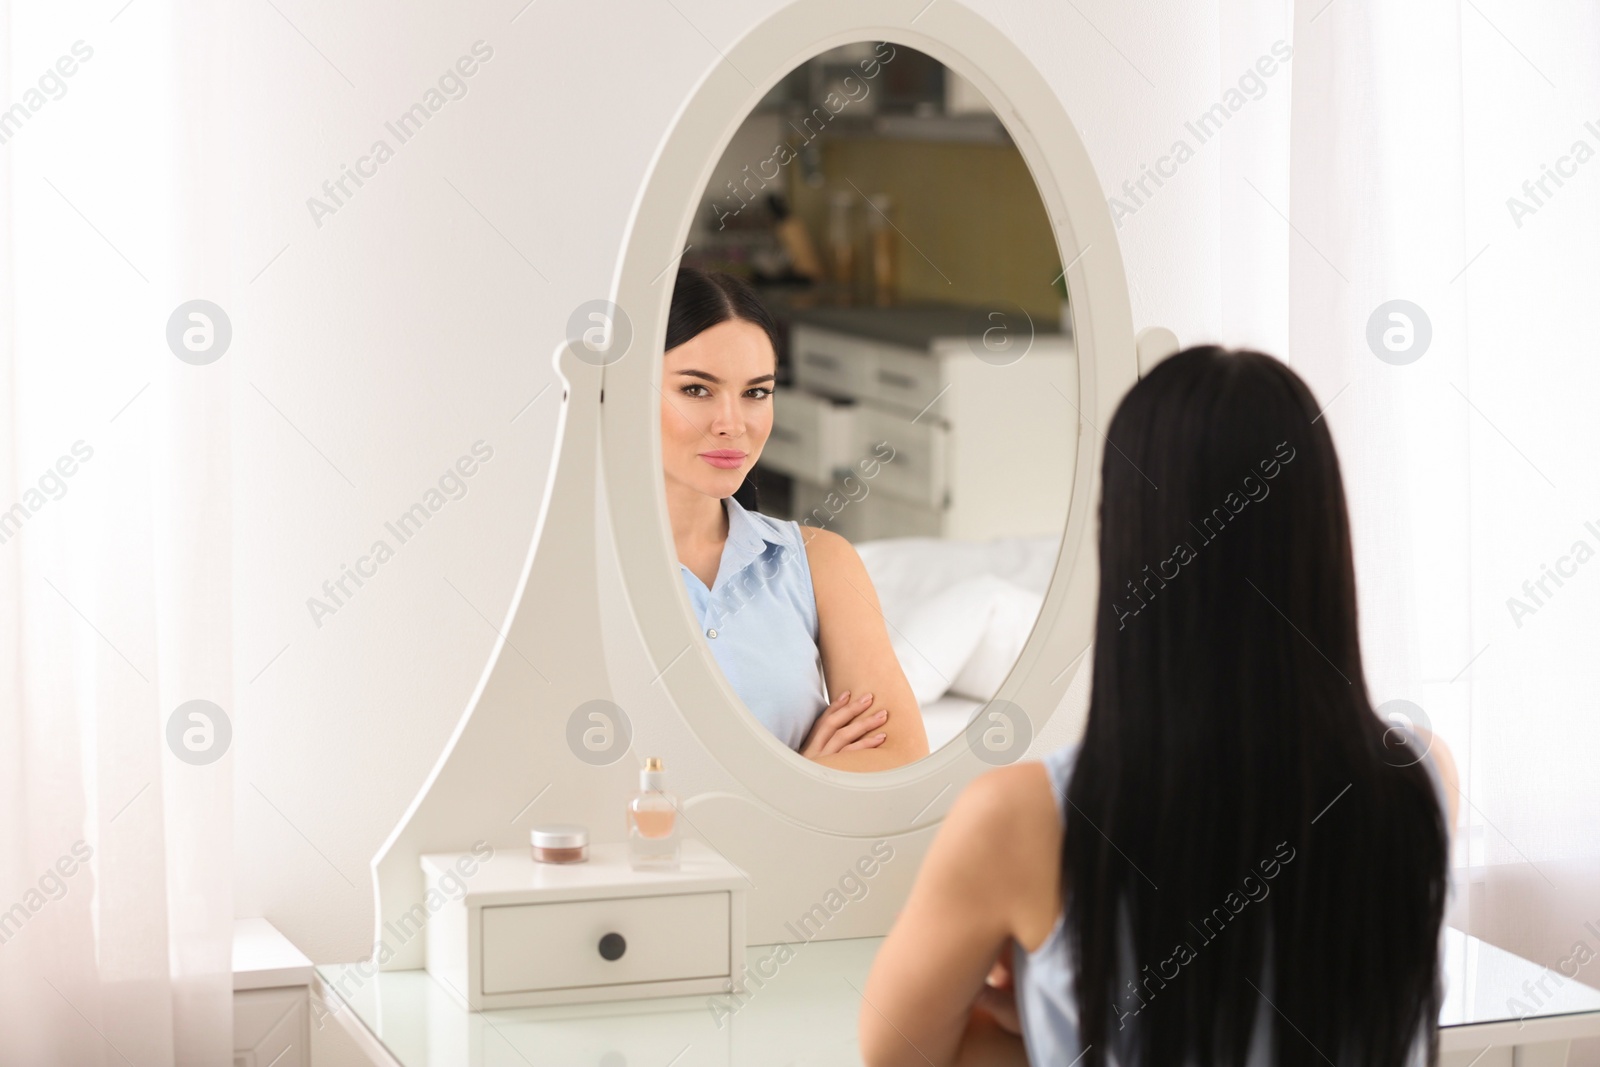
[804, 1012]
[625, 637]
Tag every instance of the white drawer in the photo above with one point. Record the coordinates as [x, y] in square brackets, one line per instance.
[908, 381]
[917, 471]
[533, 947]
[270, 1026]
[835, 364]
[811, 436]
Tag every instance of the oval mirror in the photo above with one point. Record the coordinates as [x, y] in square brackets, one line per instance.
[876, 312]
[869, 410]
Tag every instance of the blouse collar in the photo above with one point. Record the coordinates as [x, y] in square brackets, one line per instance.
[748, 539]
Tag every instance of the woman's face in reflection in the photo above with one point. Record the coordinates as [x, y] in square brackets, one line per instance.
[716, 406]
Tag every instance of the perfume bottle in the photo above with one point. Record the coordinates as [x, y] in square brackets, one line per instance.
[653, 822]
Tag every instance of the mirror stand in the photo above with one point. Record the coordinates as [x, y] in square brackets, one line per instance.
[827, 854]
[511, 743]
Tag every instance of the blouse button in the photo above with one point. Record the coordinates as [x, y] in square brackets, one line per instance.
[711, 633]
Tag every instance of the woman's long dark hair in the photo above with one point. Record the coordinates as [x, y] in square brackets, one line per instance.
[1235, 802]
[701, 300]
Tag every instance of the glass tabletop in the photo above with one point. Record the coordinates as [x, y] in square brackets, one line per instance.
[1485, 984]
[802, 1012]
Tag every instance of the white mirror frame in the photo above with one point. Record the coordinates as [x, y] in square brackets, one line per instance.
[825, 799]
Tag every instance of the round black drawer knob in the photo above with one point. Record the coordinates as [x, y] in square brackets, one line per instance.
[612, 946]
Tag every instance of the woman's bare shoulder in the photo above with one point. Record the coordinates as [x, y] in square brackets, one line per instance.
[1014, 795]
[838, 575]
[1007, 820]
[826, 547]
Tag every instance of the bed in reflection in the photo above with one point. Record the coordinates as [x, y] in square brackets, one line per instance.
[959, 613]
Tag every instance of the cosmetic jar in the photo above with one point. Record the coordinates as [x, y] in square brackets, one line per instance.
[560, 843]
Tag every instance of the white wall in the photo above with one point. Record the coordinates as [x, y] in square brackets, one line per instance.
[379, 346]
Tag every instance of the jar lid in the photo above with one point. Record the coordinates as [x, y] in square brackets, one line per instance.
[559, 835]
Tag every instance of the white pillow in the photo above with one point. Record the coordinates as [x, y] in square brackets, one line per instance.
[906, 571]
[964, 639]
[934, 639]
[1013, 611]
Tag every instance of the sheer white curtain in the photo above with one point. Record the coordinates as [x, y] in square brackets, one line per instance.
[1532, 89]
[115, 853]
[1471, 469]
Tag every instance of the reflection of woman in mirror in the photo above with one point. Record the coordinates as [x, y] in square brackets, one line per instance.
[1240, 862]
[788, 611]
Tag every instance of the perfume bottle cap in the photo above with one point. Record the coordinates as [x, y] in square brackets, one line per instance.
[651, 777]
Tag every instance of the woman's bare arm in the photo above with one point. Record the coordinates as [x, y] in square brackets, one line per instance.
[991, 875]
[857, 654]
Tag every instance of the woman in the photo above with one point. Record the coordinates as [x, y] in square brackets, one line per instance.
[1239, 863]
[790, 614]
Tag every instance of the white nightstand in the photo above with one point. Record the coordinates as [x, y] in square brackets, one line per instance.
[514, 933]
[271, 1009]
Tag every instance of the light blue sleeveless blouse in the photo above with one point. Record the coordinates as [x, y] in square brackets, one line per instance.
[1043, 979]
[760, 619]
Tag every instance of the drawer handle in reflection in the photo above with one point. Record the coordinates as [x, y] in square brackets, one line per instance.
[817, 359]
[899, 381]
[612, 946]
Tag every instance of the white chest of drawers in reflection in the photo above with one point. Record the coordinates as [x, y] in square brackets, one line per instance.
[902, 423]
[523, 934]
